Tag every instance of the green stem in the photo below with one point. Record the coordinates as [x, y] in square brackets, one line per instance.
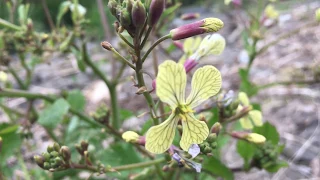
[123, 59]
[17, 78]
[52, 135]
[28, 95]
[125, 40]
[139, 165]
[115, 107]
[253, 54]
[146, 37]
[168, 36]
[28, 70]
[9, 25]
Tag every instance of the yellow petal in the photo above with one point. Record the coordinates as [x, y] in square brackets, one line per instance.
[211, 44]
[206, 82]
[130, 136]
[246, 123]
[256, 138]
[193, 132]
[256, 117]
[171, 83]
[271, 12]
[188, 45]
[160, 137]
[243, 98]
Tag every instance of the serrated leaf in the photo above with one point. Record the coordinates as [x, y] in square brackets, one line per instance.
[215, 166]
[51, 116]
[269, 132]
[76, 100]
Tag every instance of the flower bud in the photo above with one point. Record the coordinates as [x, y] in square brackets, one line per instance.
[318, 14]
[129, 5]
[189, 16]
[56, 147]
[39, 160]
[216, 128]
[155, 11]
[207, 150]
[58, 161]
[214, 145]
[106, 45]
[50, 148]
[112, 5]
[84, 145]
[65, 153]
[46, 165]
[255, 138]
[196, 28]
[165, 168]
[138, 14]
[130, 136]
[212, 137]
[46, 156]
[54, 154]
[189, 64]
[125, 18]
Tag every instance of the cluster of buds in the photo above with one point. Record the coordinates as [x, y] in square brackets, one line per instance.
[228, 103]
[266, 156]
[56, 158]
[102, 114]
[211, 142]
[133, 14]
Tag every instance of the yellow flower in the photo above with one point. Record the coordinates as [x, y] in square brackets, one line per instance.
[253, 118]
[271, 12]
[130, 136]
[171, 84]
[318, 14]
[255, 138]
[3, 76]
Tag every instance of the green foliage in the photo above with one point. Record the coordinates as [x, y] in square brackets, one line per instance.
[51, 116]
[269, 132]
[76, 100]
[246, 150]
[216, 167]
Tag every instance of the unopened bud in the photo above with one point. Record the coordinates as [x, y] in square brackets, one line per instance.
[54, 153]
[56, 147]
[58, 161]
[106, 45]
[125, 18]
[196, 28]
[46, 156]
[79, 149]
[138, 14]
[112, 5]
[165, 168]
[129, 5]
[216, 128]
[207, 150]
[212, 138]
[155, 11]
[39, 160]
[130, 136]
[255, 138]
[50, 148]
[84, 145]
[214, 145]
[65, 153]
[189, 16]
[46, 165]
[142, 90]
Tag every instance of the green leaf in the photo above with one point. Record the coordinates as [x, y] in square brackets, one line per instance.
[146, 126]
[51, 116]
[125, 114]
[269, 132]
[76, 100]
[246, 151]
[63, 9]
[11, 141]
[214, 118]
[275, 167]
[246, 86]
[215, 166]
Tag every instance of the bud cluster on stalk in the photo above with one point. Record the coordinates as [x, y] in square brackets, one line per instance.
[133, 14]
[55, 158]
[266, 156]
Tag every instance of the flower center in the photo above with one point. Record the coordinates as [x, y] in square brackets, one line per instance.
[182, 110]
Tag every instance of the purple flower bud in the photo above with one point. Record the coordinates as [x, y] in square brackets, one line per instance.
[138, 14]
[189, 16]
[178, 45]
[196, 28]
[189, 64]
[155, 11]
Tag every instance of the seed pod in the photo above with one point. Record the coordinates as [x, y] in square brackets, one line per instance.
[155, 10]
[138, 14]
